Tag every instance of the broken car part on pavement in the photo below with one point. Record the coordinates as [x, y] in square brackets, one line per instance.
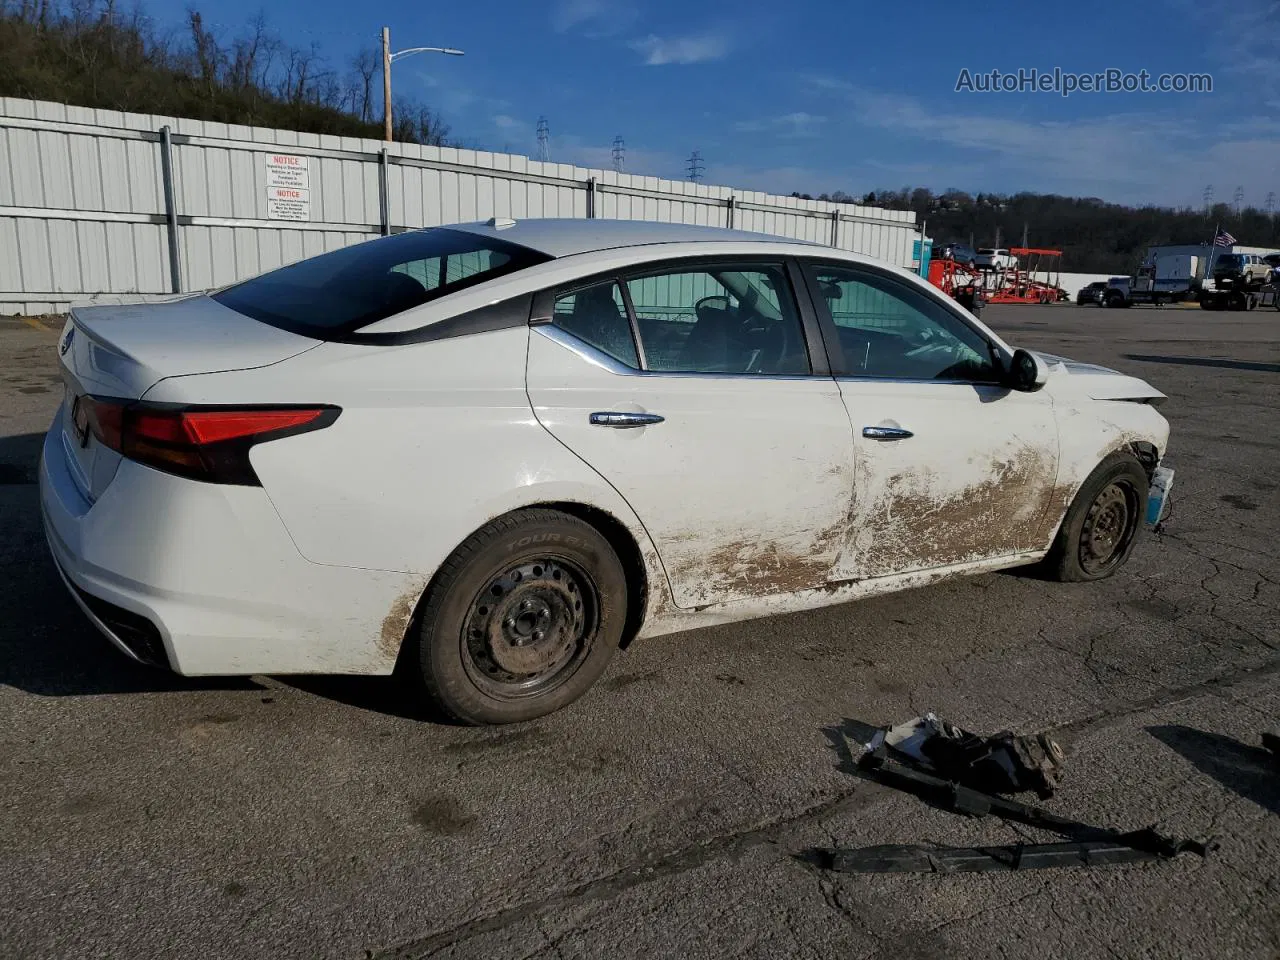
[963, 772]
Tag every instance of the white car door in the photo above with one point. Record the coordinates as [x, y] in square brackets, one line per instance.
[952, 468]
[695, 390]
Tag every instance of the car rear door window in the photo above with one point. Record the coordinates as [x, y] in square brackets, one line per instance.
[597, 315]
[734, 318]
[889, 330]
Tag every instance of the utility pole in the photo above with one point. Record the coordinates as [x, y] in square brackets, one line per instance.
[386, 84]
[387, 58]
[1238, 200]
[695, 166]
[544, 140]
[1208, 199]
[1024, 232]
[1271, 204]
[619, 154]
[997, 236]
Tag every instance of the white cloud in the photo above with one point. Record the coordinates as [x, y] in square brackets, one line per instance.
[596, 18]
[659, 51]
[1241, 37]
[798, 124]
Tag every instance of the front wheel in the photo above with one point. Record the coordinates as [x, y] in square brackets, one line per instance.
[1099, 529]
[521, 620]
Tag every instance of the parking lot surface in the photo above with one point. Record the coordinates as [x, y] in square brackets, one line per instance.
[667, 814]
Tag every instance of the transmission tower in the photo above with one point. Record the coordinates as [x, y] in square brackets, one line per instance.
[697, 169]
[544, 140]
[1238, 200]
[1208, 198]
[619, 154]
[1271, 204]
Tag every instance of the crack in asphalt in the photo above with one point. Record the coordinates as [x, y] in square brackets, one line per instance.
[733, 846]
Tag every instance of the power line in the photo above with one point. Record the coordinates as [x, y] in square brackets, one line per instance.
[619, 154]
[697, 169]
[544, 140]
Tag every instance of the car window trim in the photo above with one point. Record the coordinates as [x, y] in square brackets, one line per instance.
[542, 312]
[840, 368]
[614, 365]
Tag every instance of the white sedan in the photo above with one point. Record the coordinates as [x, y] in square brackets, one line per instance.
[491, 454]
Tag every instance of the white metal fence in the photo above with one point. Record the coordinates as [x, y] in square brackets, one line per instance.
[99, 204]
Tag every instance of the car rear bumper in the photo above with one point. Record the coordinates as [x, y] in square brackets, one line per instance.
[204, 578]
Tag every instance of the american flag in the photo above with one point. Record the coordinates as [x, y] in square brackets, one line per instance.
[1224, 239]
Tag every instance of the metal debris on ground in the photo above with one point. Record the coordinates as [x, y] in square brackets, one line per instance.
[1003, 763]
[962, 772]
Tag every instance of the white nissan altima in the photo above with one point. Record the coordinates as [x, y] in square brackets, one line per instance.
[491, 454]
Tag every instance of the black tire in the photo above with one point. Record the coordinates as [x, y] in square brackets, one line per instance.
[1099, 530]
[557, 602]
[1115, 300]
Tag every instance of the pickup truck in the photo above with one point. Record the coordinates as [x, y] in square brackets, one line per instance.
[1126, 291]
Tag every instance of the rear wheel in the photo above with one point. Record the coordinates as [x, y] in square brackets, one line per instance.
[522, 619]
[1098, 532]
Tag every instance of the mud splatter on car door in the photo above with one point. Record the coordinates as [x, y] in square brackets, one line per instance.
[975, 479]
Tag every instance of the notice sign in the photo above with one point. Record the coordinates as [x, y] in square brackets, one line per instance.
[285, 203]
[288, 187]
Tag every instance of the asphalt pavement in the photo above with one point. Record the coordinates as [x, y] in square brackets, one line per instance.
[672, 811]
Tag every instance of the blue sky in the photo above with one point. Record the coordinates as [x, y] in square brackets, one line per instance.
[824, 95]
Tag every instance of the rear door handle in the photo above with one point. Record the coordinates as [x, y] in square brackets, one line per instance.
[624, 421]
[886, 433]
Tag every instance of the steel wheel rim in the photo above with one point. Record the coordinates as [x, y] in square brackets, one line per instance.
[530, 628]
[1108, 527]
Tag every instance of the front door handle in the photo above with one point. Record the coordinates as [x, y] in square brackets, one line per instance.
[886, 433]
[624, 421]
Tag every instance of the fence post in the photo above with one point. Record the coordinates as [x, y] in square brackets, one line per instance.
[384, 191]
[729, 210]
[591, 198]
[170, 210]
[835, 228]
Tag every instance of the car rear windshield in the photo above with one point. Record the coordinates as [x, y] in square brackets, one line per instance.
[336, 293]
[1230, 260]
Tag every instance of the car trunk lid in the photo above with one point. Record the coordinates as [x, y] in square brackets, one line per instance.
[121, 352]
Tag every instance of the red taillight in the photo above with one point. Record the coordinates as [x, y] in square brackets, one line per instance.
[209, 443]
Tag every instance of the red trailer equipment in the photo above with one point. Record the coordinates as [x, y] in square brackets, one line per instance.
[1019, 284]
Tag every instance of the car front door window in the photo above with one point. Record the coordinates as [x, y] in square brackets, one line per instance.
[887, 329]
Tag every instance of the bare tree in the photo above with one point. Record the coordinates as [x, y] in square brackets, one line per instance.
[366, 64]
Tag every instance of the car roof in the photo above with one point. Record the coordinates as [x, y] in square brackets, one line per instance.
[566, 237]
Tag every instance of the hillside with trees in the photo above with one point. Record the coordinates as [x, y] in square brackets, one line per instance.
[91, 54]
[1095, 236]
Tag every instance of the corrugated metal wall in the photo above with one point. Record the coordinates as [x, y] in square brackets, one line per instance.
[83, 213]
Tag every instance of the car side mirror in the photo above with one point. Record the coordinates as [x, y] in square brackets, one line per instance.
[1027, 372]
